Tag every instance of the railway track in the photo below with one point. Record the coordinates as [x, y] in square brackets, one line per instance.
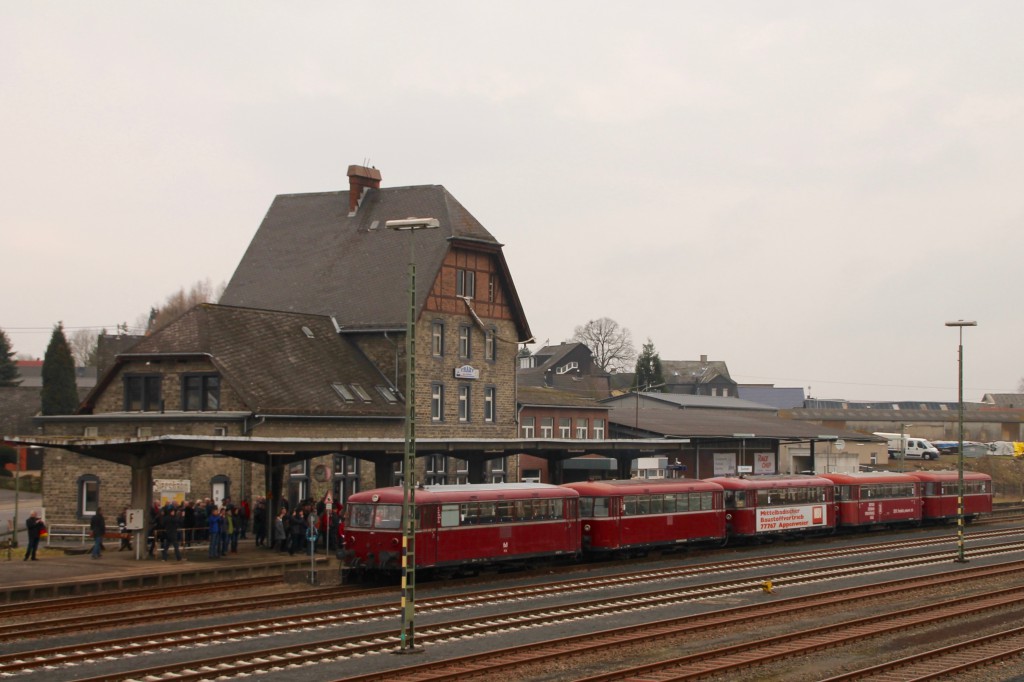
[237, 664]
[14, 629]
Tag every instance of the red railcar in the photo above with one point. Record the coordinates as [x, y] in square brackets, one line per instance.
[772, 505]
[638, 515]
[874, 498]
[939, 491]
[462, 525]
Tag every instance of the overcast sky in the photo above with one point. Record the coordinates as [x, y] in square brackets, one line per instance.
[805, 190]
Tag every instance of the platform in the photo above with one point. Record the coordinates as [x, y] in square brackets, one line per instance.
[57, 572]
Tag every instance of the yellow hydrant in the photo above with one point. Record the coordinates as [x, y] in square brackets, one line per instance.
[767, 586]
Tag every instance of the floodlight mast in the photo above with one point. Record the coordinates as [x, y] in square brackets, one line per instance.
[408, 636]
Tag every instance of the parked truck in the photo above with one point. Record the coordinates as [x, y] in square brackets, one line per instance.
[911, 447]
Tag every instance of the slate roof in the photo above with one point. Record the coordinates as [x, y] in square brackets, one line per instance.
[267, 358]
[309, 255]
[554, 397]
[704, 402]
[668, 420]
[688, 371]
[588, 381]
[1010, 400]
[779, 398]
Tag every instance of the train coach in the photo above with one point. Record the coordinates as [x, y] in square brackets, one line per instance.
[460, 526]
[876, 498]
[638, 515]
[939, 492]
[766, 506]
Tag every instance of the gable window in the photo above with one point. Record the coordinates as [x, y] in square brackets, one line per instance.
[465, 283]
[464, 403]
[437, 338]
[490, 346]
[200, 392]
[88, 495]
[437, 402]
[142, 392]
[465, 335]
[489, 395]
[528, 427]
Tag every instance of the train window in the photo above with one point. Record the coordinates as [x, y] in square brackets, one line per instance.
[505, 511]
[707, 501]
[594, 507]
[668, 504]
[360, 516]
[656, 506]
[630, 505]
[388, 516]
[843, 493]
[449, 515]
[556, 509]
[487, 512]
[643, 504]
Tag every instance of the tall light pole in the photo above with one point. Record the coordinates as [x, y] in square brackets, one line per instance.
[960, 324]
[408, 639]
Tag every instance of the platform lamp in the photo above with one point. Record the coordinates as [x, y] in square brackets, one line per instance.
[408, 641]
[960, 324]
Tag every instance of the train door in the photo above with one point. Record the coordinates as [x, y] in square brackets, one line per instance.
[426, 534]
[570, 524]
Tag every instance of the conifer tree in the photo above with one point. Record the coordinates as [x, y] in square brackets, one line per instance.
[60, 392]
[648, 369]
[8, 368]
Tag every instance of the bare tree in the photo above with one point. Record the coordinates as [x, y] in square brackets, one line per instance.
[610, 344]
[83, 346]
[178, 303]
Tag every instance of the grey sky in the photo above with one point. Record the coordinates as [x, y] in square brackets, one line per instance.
[805, 190]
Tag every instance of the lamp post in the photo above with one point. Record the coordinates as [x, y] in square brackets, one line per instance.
[960, 324]
[408, 640]
[903, 445]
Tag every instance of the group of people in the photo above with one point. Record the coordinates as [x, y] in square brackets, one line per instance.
[310, 525]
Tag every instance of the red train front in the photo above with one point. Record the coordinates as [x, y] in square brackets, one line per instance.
[772, 505]
[875, 498]
[939, 491]
[462, 525]
[637, 515]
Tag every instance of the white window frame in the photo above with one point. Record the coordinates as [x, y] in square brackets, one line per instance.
[490, 395]
[599, 429]
[465, 341]
[437, 402]
[464, 402]
[582, 428]
[528, 427]
[565, 427]
[547, 427]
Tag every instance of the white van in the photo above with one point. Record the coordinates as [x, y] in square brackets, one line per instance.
[915, 448]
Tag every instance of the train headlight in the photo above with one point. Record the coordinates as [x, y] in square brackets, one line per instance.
[728, 517]
[586, 527]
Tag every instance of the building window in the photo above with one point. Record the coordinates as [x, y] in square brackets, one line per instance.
[581, 429]
[142, 392]
[599, 429]
[490, 347]
[298, 483]
[346, 477]
[465, 283]
[489, 394]
[461, 472]
[464, 402]
[88, 495]
[437, 469]
[200, 392]
[528, 427]
[465, 335]
[564, 427]
[547, 427]
[437, 402]
[437, 338]
[495, 469]
[568, 367]
[531, 476]
[396, 473]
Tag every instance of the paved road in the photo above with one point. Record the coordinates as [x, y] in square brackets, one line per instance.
[26, 503]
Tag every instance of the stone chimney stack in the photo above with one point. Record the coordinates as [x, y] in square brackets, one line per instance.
[360, 179]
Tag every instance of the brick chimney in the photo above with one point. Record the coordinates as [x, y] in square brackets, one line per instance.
[360, 179]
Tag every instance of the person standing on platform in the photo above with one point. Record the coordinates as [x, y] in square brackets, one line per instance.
[171, 524]
[280, 534]
[35, 526]
[188, 522]
[259, 522]
[214, 522]
[98, 528]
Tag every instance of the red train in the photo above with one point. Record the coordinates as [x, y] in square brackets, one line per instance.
[638, 515]
[469, 526]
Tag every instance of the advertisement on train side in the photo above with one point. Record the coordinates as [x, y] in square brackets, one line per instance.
[787, 518]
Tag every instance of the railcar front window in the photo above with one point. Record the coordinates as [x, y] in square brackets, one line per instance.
[593, 507]
[388, 516]
[360, 516]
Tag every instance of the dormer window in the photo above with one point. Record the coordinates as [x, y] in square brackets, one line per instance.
[143, 392]
[568, 367]
[200, 392]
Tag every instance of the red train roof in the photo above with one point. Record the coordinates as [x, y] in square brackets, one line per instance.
[862, 477]
[948, 476]
[464, 493]
[772, 481]
[642, 486]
